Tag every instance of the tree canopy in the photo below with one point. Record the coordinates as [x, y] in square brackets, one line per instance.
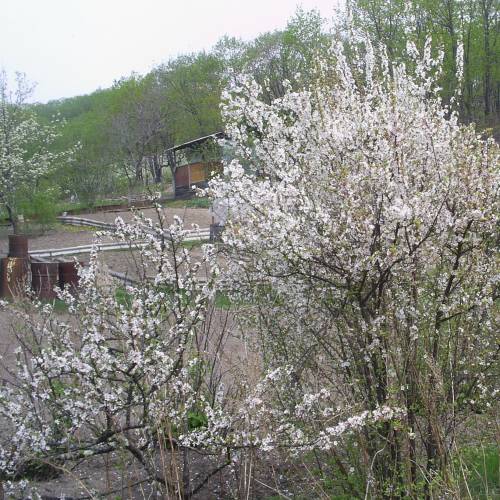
[124, 130]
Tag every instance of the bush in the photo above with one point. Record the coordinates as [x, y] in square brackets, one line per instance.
[365, 250]
[42, 206]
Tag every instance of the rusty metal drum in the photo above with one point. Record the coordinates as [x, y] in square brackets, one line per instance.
[18, 246]
[68, 274]
[44, 277]
[14, 277]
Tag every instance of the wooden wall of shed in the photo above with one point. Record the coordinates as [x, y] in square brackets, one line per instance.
[194, 174]
[182, 176]
[198, 172]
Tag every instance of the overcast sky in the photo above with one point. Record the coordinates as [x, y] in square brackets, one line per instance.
[72, 47]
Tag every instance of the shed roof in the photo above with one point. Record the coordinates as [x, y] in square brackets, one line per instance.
[199, 140]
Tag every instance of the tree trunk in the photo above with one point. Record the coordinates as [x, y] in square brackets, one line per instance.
[486, 5]
[467, 96]
[171, 164]
[138, 171]
[158, 169]
[12, 219]
[155, 169]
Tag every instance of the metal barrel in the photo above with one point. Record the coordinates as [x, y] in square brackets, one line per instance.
[14, 277]
[44, 277]
[18, 245]
[68, 274]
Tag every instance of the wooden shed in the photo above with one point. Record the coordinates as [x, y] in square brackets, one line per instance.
[194, 163]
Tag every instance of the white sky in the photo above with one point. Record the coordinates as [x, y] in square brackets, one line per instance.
[72, 47]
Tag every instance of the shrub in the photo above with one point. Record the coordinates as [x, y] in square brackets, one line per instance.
[366, 248]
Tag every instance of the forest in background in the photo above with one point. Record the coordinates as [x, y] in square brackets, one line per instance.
[123, 131]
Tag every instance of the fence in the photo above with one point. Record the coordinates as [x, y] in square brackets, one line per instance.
[201, 234]
[108, 226]
[191, 235]
[80, 221]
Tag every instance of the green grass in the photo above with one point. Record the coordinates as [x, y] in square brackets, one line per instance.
[481, 467]
[189, 203]
[222, 301]
[123, 297]
[66, 206]
[68, 228]
[193, 244]
[60, 306]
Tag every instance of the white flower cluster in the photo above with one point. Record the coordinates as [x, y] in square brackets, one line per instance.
[122, 369]
[361, 232]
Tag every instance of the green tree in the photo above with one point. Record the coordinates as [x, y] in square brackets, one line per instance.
[278, 58]
[140, 128]
[92, 173]
[474, 24]
[24, 145]
[193, 85]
